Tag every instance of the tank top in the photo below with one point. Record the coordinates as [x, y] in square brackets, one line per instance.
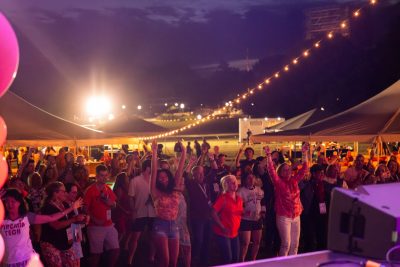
[166, 206]
[18, 245]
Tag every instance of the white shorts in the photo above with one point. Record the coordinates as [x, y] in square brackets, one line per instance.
[102, 238]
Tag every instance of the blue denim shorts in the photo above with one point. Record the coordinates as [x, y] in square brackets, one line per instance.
[168, 229]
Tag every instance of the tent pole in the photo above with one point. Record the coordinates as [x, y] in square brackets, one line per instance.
[76, 148]
[295, 150]
[356, 145]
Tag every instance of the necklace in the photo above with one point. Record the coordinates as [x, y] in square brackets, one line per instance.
[59, 206]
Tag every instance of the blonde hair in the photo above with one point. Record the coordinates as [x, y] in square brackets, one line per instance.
[280, 167]
[224, 181]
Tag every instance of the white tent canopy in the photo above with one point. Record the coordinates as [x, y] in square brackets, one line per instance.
[378, 116]
[28, 125]
[292, 123]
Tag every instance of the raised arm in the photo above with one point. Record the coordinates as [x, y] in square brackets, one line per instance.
[154, 168]
[41, 157]
[304, 158]
[181, 164]
[40, 219]
[204, 152]
[191, 163]
[270, 165]
[213, 162]
[25, 161]
[239, 155]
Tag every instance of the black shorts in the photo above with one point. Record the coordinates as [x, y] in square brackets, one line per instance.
[140, 224]
[246, 225]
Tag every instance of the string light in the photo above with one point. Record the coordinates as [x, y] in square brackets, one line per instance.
[250, 91]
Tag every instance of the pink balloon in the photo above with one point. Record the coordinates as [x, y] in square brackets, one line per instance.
[2, 245]
[9, 55]
[3, 131]
[3, 170]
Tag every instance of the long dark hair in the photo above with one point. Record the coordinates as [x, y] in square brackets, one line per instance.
[51, 189]
[120, 181]
[16, 194]
[169, 188]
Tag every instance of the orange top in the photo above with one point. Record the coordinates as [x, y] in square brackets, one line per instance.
[230, 213]
[166, 206]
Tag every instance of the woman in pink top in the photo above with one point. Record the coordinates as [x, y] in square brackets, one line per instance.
[287, 201]
[166, 197]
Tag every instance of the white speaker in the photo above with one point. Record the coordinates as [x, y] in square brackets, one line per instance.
[365, 222]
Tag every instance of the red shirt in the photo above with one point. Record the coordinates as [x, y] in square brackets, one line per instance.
[96, 207]
[230, 213]
[287, 192]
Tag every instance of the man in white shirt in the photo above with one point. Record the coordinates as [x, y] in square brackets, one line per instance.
[142, 209]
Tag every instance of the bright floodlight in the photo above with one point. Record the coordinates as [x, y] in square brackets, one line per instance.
[199, 117]
[166, 104]
[123, 107]
[139, 107]
[176, 104]
[182, 106]
[111, 116]
[98, 106]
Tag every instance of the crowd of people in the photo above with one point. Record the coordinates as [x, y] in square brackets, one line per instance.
[190, 210]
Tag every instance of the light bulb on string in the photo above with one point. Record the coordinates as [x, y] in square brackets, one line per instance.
[344, 24]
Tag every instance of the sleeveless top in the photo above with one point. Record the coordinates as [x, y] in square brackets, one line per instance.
[18, 245]
[166, 206]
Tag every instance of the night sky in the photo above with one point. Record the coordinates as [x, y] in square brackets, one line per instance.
[148, 52]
